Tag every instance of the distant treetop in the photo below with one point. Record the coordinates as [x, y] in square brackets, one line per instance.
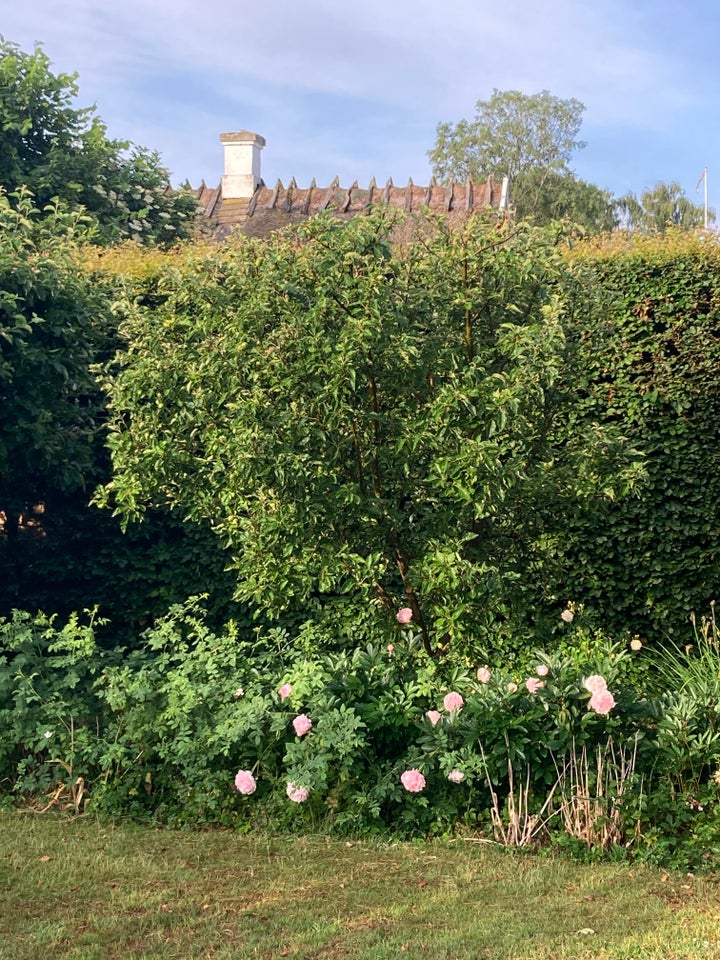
[512, 133]
[530, 139]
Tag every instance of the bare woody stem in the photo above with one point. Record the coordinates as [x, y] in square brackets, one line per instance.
[399, 558]
[469, 344]
[374, 466]
[358, 457]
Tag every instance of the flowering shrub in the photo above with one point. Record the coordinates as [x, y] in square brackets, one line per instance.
[296, 793]
[602, 701]
[160, 731]
[302, 724]
[595, 683]
[453, 702]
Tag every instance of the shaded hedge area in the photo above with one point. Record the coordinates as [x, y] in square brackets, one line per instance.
[647, 562]
[59, 311]
[74, 557]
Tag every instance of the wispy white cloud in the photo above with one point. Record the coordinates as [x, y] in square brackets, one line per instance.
[401, 52]
[339, 87]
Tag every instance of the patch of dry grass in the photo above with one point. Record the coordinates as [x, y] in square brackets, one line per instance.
[84, 890]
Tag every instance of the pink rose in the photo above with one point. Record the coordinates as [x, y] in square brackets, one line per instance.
[533, 684]
[483, 675]
[434, 716]
[453, 701]
[567, 616]
[512, 687]
[285, 691]
[245, 782]
[456, 776]
[391, 648]
[602, 702]
[404, 615]
[297, 794]
[541, 670]
[413, 781]
[302, 724]
[596, 683]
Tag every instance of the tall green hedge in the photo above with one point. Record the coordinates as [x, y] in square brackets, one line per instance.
[650, 560]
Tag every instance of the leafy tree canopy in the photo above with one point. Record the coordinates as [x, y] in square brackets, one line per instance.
[663, 206]
[530, 139]
[512, 133]
[562, 196]
[362, 418]
[57, 150]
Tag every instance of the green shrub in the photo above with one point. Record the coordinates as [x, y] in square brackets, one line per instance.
[49, 713]
[380, 739]
[364, 417]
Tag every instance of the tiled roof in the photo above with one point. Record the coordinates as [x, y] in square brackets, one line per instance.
[271, 208]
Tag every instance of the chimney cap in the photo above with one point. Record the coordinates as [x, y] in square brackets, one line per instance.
[243, 136]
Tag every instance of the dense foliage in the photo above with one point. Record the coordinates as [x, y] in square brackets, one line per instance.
[412, 448]
[53, 324]
[649, 561]
[61, 152]
[578, 747]
[363, 418]
[56, 553]
[629, 343]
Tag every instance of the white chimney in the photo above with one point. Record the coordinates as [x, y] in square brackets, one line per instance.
[242, 164]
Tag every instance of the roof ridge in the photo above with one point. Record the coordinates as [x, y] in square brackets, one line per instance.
[271, 208]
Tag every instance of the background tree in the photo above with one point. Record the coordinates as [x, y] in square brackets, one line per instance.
[57, 150]
[562, 196]
[530, 139]
[512, 133]
[663, 206]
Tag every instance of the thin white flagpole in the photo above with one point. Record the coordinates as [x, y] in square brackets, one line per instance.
[703, 179]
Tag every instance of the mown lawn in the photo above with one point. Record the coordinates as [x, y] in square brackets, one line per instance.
[88, 890]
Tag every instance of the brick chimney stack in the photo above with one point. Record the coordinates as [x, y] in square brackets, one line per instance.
[242, 164]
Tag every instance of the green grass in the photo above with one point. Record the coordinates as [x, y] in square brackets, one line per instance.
[86, 890]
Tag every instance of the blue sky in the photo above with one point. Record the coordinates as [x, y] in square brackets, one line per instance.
[356, 89]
